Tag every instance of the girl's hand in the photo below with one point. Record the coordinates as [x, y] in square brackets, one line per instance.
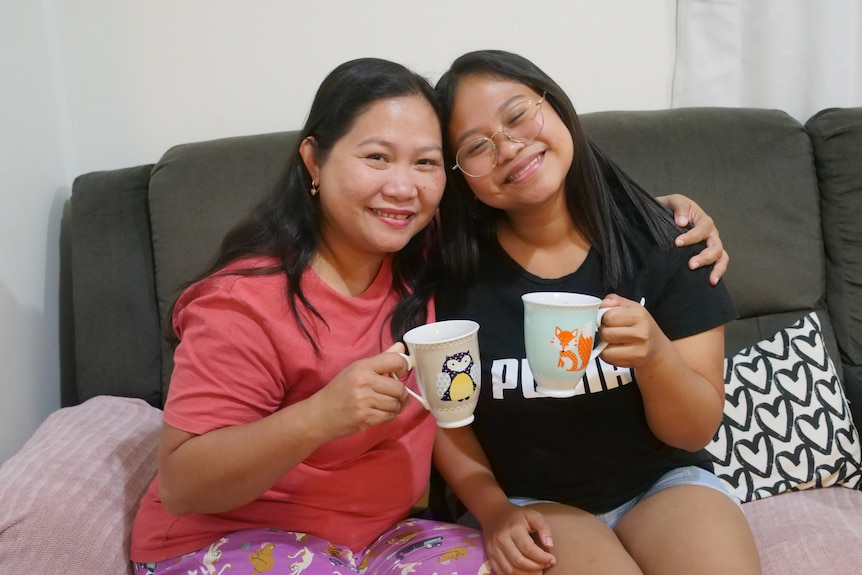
[364, 394]
[685, 212]
[517, 540]
[631, 332]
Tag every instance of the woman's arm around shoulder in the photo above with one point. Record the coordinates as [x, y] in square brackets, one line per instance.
[687, 212]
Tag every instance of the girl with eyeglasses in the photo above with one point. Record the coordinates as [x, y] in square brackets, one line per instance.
[614, 479]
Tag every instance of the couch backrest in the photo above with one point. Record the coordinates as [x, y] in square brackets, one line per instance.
[137, 236]
[753, 171]
[198, 192]
[836, 136]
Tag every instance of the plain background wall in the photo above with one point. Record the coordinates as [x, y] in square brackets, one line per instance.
[93, 85]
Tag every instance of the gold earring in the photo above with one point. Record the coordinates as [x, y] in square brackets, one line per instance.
[315, 187]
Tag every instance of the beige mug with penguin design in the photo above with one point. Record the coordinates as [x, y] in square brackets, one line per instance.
[445, 358]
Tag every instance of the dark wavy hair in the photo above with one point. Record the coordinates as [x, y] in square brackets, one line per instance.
[602, 201]
[286, 224]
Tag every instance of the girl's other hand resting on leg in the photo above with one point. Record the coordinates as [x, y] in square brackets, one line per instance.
[518, 540]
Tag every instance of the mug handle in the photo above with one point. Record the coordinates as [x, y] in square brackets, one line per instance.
[410, 365]
[600, 347]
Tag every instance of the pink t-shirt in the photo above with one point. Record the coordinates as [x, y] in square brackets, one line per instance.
[241, 357]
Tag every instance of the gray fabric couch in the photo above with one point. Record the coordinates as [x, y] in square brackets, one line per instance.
[787, 198]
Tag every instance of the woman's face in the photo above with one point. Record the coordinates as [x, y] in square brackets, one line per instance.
[526, 174]
[383, 180]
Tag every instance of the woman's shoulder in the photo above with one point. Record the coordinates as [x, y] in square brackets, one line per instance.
[248, 279]
[251, 266]
[252, 269]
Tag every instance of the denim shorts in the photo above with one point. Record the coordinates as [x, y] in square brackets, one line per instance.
[691, 475]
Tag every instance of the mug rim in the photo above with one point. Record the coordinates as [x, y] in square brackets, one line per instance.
[563, 299]
[462, 328]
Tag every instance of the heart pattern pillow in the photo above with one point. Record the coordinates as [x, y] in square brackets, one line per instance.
[787, 424]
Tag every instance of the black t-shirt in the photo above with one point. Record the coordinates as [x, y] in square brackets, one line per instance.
[595, 450]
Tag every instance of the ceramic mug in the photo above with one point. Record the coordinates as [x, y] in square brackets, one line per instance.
[445, 357]
[559, 332]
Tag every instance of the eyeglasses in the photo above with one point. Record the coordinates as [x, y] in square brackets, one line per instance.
[522, 122]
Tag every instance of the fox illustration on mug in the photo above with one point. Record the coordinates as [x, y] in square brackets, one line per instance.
[584, 346]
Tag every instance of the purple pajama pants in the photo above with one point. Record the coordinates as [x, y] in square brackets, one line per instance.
[412, 546]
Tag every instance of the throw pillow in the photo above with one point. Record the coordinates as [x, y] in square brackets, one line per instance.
[69, 496]
[786, 424]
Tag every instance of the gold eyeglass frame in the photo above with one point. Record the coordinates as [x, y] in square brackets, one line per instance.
[538, 103]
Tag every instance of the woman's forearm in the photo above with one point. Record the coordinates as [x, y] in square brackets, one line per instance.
[232, 466]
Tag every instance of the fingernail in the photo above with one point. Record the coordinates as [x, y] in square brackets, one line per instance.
[695, 265]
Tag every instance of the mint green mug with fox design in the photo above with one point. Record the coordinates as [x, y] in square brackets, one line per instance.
[560, 337]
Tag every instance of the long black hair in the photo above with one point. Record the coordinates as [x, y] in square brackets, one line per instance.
[601, 199]
[286, 224]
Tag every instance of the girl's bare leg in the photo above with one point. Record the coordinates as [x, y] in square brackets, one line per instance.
[584, 544]
[691, 530]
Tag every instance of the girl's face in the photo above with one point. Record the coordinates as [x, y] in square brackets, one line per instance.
[382, 181]
[526, 174]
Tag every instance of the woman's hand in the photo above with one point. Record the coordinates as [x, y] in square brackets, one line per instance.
[686, 211]
[364, 394]
[511, 541]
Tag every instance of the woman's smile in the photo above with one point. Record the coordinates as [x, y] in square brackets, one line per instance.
[394, 217]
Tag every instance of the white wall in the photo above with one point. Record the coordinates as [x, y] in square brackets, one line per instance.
[34, 183]
[99, 84]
